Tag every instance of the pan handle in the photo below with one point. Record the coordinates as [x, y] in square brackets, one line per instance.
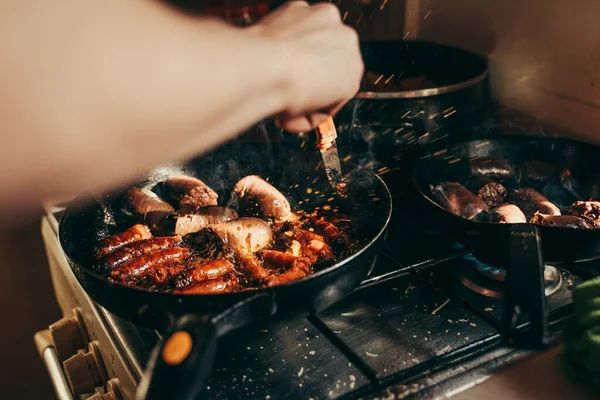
[524, 291]
[181, 363]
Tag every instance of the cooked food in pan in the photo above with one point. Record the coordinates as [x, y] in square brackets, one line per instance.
[489, 191]
[588, 210]
[531, 202]
[493, 194]
[458, 200]
[190, 244]
[564, 221]
[507, 214]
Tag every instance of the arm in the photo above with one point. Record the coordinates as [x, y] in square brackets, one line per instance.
[109, 85]
[95, 93]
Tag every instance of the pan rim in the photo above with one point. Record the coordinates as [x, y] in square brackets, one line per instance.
[297, 282]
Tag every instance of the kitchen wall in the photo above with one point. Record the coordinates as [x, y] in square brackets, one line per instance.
[544, 54]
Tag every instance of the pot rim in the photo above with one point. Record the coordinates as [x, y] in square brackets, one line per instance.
[411, 94]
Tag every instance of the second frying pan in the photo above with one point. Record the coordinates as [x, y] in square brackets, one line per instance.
[492, 240]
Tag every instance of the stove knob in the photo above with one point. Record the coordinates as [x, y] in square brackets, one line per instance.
[69, 335]
[85, 371]
[112, 392]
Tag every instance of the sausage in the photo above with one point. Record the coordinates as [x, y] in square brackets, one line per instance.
[507, 214]
[152, 265]
[220, 285]
[290, 275]
[111, 243]
[191, 192]
[183, 223]
[588, 210]
[244, 235]
[314, 246]
[199, 271]
[202, 218]
[455, 198]
[136, 249]
[494, 168]
[332, 234]
[277, 260]
[254, 272]
[140, 202]
[563, 221]
[162, 273]
[255, 195]
[530, 201]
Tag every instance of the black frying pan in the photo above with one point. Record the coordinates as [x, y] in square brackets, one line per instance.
[192, 323]
[558, 244]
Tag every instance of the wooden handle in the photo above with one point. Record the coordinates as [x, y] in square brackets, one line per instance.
[326, 133]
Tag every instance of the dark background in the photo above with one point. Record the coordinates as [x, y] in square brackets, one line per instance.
[28, 306]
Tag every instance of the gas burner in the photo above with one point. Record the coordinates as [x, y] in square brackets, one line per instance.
[488, 280]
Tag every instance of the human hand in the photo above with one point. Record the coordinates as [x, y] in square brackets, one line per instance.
[325, 64]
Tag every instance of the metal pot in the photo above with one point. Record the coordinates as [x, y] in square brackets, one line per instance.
[450, 96]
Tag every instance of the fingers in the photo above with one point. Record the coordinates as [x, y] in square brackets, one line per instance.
[310, 17]
[327, 13]
[293, 3]
[303, 123]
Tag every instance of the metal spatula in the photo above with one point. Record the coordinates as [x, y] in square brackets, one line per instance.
[326, 135]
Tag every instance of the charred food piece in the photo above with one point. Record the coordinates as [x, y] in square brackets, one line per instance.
[183, 222]
[258, 197]
[154, 265]
[111, 243]
[189, 191]
[220, 285]
[244, 235]
[507, 214]
[136, 249]
[455, 198]
[207, 245]
[489, 191]
[140, 202]
[494, 168]
[562, 221]
[530, 201]
[199, 271]
[588, 210]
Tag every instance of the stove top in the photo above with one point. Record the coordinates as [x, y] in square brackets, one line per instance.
[419, 331]
[427, 323]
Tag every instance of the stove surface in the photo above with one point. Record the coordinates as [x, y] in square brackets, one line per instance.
[430, 327]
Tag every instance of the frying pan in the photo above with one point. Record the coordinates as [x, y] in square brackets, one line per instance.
[180, 364]
[558, 244]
